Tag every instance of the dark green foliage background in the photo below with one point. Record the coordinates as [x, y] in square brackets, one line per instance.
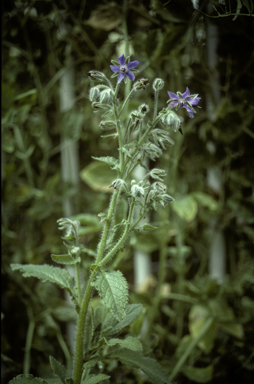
[169, 40]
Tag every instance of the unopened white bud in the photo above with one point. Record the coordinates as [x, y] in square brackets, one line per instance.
[94, 94]
[106, 96]
[158, 84]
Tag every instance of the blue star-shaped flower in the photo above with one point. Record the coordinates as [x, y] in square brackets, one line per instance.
[184, 100]
[124, 69]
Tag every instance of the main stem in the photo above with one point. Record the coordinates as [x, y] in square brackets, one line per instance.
[78, 363]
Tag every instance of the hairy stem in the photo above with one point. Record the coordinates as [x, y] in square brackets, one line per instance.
[122, 239]
[78, 364]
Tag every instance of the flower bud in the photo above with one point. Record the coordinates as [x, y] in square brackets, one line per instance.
[158, 84]
[164, 199]
[75, 252]
[141, 84]
[157, 174]
[94, 94]
[144, 109]
[108, 124]
[106, 96]
[171, 120]
[118, 183]
[137, 191]
[160, 186]
[96, 75]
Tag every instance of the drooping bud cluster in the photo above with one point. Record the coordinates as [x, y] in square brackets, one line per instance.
[158, 84]
[141, 84]
[96, 75]
[171, 120]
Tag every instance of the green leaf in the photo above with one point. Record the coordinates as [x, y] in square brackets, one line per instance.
[206, 200]
[146, 227]
[98, 176]
[58, 369]
[52, 274]
[65, 259]
[113, 290]
[129, 342]
[197, 318]
[249, 5]
[27, 379]
[186, 208]
[132, 313]
[92, 362]
[113, 327]
[114, 135]
[94, 379]
[111, 161]
[199, 375]
[150, 367]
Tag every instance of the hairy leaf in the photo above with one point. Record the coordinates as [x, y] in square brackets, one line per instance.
[113, 327]
[52, 274]
[150, 367]
[65, 259]
[130, 342]
[27, 379]
[58, 369]
[94, 379]
[111, 161]
[113, 290]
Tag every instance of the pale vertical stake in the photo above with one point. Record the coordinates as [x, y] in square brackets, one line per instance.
[217, 253]
[69, 162]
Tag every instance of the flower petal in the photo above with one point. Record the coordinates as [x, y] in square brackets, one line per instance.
[186, 93]
[120, 77]
[121, 60]
[174, 103]
[194, 100]
[132, 64]
[173, 95]
[130, 75]
[190, 112]
[115, 68]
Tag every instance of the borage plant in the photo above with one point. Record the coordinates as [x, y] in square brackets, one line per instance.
[138, 137]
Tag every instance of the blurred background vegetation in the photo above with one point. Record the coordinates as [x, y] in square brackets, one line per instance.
[198, 299]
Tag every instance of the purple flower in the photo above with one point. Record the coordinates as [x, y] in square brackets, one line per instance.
[184, 100]
[124, 69]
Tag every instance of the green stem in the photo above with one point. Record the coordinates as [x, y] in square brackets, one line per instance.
[78, 282]
[190, 348]
[77, 268]
[29, 338]
[122, 239]
[156, 98]
[65, 349]
[78, 364]
[107, 226]
[126, 101]
[79, 353]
